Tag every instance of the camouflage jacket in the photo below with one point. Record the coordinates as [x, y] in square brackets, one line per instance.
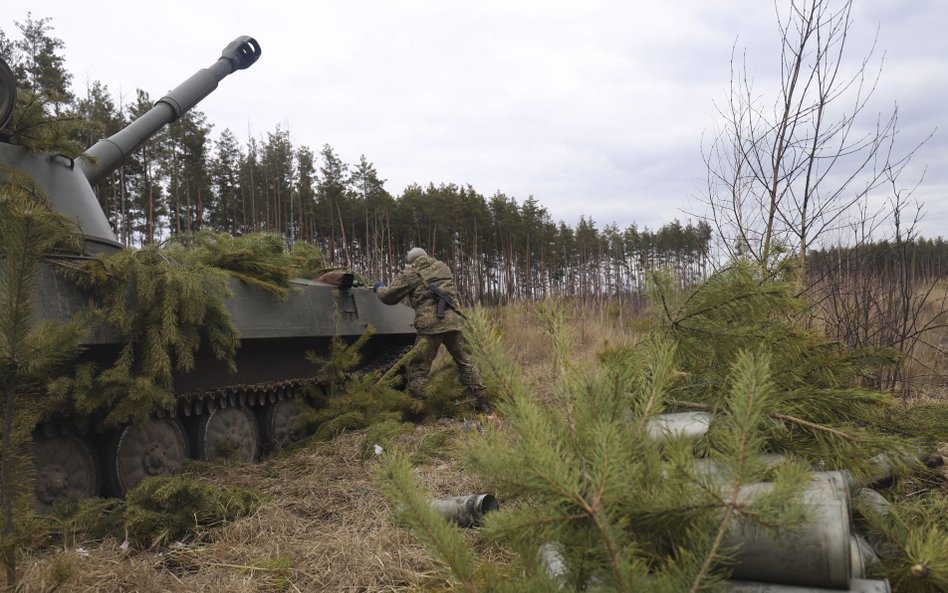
[413, 283]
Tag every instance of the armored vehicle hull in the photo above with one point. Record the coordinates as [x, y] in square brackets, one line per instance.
[218, 413]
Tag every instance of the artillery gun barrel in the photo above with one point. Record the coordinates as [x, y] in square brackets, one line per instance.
[109, 154]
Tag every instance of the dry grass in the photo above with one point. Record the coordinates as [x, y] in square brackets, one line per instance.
[590, 330]
[867, 314]
[325, 527]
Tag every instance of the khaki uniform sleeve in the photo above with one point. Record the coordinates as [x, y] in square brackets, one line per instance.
[401, 287]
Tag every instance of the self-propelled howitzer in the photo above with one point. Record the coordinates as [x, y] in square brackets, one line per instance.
[217, 412]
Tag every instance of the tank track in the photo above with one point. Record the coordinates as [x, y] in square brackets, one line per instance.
[252, 418]
[385, 360]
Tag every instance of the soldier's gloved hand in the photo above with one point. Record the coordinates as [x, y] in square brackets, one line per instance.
[376, 286]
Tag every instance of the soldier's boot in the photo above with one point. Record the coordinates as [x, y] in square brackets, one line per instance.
[415, 413]
[481, 405]
[416, 390]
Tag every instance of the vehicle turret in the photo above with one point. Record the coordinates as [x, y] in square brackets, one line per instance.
[68, 183]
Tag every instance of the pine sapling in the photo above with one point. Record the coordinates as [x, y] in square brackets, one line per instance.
[583, 481]
[30, 353]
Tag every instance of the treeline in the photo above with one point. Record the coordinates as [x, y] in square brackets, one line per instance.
[185, 180]
[885, 296]
[914, 259]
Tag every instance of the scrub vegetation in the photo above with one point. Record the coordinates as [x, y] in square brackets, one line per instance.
[324, 514]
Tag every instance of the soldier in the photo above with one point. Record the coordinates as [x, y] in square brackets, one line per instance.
[429, 285]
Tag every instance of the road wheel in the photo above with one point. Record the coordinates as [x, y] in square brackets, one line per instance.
[66, 467]
[283, 423]
[156, 447]
[227, 433]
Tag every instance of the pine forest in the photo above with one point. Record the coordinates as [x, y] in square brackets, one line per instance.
[190, 179]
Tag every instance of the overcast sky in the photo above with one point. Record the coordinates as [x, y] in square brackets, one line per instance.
[594, 107]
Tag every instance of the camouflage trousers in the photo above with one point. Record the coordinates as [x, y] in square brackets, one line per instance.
[426, 348]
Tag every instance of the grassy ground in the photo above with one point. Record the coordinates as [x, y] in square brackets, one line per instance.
[324, 524]
[324, 527]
